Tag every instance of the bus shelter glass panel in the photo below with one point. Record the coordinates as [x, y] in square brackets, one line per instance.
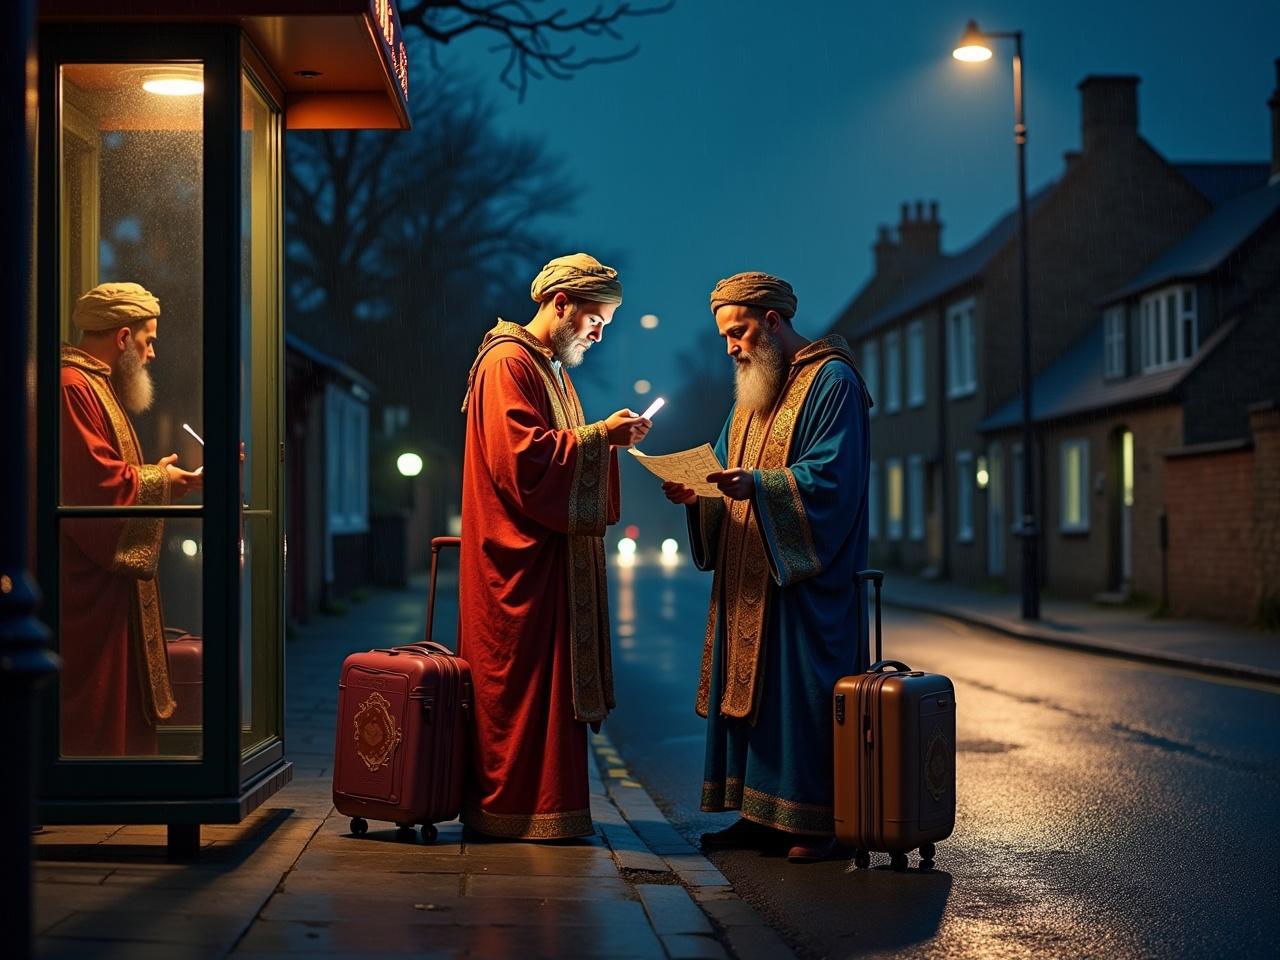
[131, 144]
[261, 545]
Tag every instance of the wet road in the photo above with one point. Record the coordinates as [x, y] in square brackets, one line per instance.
[1106, 809]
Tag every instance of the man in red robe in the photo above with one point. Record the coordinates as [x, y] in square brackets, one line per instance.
[539, 486]
[115, 677]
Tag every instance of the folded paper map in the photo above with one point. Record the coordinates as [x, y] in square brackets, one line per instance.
[689, 467]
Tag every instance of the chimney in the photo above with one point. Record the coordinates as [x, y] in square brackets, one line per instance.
[920, 235]
[1108, 110]
[1274, 104]
[886, 251]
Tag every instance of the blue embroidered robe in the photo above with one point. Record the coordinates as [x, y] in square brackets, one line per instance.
[769, 735]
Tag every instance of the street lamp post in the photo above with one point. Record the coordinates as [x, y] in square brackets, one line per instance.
[25, 658]
[974, 47]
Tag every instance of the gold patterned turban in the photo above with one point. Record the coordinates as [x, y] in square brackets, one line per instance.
[754, 289]
[578, 275]
[110, 306]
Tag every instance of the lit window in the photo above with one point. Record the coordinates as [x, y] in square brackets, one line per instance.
[1075, 486]
[893, 480]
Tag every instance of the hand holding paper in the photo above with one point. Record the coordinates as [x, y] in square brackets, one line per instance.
[689, 468]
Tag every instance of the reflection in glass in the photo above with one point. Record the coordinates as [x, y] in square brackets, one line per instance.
[131, 211]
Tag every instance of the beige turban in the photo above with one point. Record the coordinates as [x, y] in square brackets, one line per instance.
[110, 306]
[578, 275]
[755, 290]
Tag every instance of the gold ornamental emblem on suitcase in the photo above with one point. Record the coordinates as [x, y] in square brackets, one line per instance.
[937, 764]
[376, 732]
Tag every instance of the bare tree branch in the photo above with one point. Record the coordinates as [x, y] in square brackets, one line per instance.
[529, 39]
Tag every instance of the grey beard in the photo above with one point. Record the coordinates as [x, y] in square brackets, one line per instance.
[757, 383]
[565, 345]
[132, 383]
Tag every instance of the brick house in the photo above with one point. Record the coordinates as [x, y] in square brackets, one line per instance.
[937, 334]
[1154, 399]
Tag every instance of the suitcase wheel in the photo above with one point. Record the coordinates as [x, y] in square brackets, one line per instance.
[429, 833]
[897, 861]
[861, 859]
[359, 826]
[927, 851]
[406, 833]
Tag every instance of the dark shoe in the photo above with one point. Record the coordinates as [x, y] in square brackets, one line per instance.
[815, 850]
[743, 834]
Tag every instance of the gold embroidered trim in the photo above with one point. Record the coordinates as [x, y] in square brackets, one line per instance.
[755, 443]
[529, 826]
[590, 657]
[589, 495]
[790, 526]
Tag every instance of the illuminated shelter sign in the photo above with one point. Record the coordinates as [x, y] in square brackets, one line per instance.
[386, 20]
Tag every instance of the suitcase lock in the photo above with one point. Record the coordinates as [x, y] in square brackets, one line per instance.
[839, 708]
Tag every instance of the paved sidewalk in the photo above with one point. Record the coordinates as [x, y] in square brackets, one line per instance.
[291, 880]
[1219, 649]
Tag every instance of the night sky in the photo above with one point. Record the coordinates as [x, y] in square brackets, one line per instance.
[752, 134]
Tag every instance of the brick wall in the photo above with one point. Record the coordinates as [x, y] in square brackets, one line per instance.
[1210, 505]
[1224, 527]
[1265, 423]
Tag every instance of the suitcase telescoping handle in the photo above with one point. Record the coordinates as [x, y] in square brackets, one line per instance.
[876, 577]
[437, 544]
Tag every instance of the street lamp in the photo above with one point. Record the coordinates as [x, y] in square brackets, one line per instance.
[975, 47]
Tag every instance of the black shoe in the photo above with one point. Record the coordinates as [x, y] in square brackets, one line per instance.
[744, 834]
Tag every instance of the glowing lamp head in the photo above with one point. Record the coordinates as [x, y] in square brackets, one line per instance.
[973, 46]
[626, 547]
[670, 548]
[409, 464]
[175, 86]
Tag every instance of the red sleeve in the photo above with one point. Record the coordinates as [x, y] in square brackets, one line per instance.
[534, 466]
[92, 472]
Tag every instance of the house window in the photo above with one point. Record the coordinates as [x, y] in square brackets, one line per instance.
[1170, 331]
[1113, 357]
[873, 502]
[962, 360]
[893, 481]
[1075, 486]
[892, 372]
[871, 371]
[915, 498]
[915, 364]
[347, 461]
[964, 496]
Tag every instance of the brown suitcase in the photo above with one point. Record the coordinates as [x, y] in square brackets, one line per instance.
[403, 714]
[895, 756]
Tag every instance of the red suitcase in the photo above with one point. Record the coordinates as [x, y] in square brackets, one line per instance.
[895, 756]
[402, 733]
[186, 675]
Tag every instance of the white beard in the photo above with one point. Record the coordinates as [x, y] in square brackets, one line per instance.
[566, 346]
[132, 382]
[758, 381]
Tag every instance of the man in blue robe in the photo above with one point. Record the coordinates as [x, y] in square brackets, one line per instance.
[785, 541]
